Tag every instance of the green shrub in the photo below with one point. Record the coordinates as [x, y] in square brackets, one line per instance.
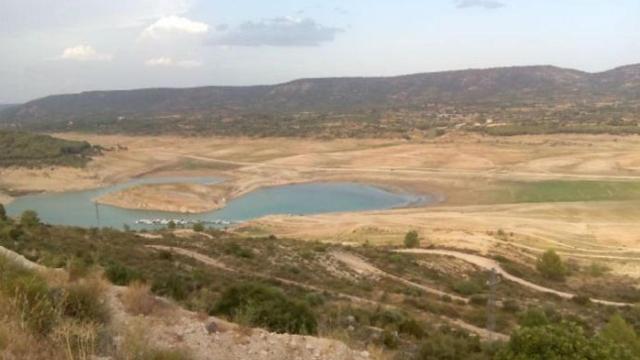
[467, 287]
[199, 227]
[597, 270]
[581, 299]
[533, 317]
[560, 341]
[510, 305]
[314, 299]
[478, 299]
[618, 331]
[411, 239]
[390, 339]
[236, 250]
[83, 301]
[388, 318]
[29, 295]
[29, 218]
[449, 346]
[119, 274]
[411, 327]
[551, 266]
[172, 285]
[265, 306]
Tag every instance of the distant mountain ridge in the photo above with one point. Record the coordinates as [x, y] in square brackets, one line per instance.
[510, 86]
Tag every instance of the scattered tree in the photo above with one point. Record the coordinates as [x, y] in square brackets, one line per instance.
[199, 227]
[3, 213]
[172, 225]
[551, 266]
[411, 239]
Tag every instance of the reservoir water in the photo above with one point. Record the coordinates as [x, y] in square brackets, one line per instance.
[78, 208]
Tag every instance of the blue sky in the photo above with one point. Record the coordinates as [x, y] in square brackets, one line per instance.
[64, 46]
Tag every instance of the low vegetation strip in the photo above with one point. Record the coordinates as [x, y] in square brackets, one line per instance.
[36, 150]
[493, 265]
[568, 190]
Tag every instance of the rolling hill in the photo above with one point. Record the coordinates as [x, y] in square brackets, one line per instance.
[361, 105]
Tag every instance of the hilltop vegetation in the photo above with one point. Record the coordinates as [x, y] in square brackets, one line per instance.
[35, 150]
[502, 101]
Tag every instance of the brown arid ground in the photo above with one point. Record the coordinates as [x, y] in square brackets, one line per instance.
[468, 172]
[165, 325]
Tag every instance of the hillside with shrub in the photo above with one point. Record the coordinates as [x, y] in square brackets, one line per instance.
[35, 150]
[500, 101]
[292, 287]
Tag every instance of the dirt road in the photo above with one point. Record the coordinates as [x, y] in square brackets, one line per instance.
[359, 265]
[490, 264]
[483, 333]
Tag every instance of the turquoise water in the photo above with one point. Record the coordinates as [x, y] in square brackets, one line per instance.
[77, 208]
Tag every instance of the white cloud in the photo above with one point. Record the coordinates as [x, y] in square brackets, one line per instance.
[174, 24]
[20, 16]
[188, 64]
[84, 53]
[161, 61]
[167, 61]
[487, 4]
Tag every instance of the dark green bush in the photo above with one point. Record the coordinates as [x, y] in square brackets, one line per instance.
[265, 306]
[411, 239]
[561, 341]
[581, 299]
[551, 266]
[411, 327]
[467, 287]
[84, 303]
[236, 250]
[533, 317]
[510, 305]
[390, 339]
[172, 285]
[29, 218]
[119, 274]
[449, 346]
[478, 299]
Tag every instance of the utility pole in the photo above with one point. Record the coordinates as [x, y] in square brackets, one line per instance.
[97, 213]
[491, 302]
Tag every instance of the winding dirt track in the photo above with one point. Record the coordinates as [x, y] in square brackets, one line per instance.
[489, 264]
[483, 333]
[359, 265]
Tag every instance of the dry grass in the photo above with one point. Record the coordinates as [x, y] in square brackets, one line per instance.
[79, 340]
[136, 345]
[138, 299]
[18, 342]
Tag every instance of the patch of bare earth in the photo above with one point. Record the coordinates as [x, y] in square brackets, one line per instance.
[184, 198]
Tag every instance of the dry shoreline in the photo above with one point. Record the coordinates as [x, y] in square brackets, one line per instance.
[148, 197]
